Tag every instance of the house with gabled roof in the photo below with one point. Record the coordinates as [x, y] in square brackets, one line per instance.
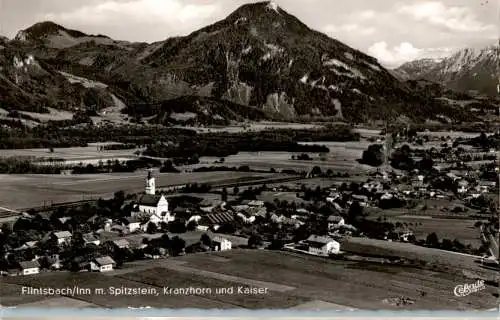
[29, 267]
[102, 264]
[90, 238]
[321, 245]
[335, 221]
[121, 244]
[133, 224]
[221, 244]
[62, 237]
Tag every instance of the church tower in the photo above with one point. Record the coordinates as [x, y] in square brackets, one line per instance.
[150, 184]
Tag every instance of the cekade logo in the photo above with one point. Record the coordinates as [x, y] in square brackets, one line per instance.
[463, 290]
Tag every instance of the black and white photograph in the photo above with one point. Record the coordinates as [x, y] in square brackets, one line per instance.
[288, 155]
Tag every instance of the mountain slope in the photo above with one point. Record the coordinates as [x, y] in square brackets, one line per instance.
[29, 84]
[466, 70]
[259, 56]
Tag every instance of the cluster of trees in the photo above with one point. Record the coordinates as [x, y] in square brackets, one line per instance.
[374, 155]
[432, 241]
[222, 144]
[18, 165]
[64, 134]
[224, 168]
[486, 142]
[125, 146]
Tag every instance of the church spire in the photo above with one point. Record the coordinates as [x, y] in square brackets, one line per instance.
[150, 183]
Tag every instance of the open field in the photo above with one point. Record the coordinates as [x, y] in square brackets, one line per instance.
[357, 285]
[29, 190]
[183, 277]
[460, 229]
[454, 263]
[293, 281]
[58, 302]
[53, 115]
[342, 157]
[451, 134]
[74, 153]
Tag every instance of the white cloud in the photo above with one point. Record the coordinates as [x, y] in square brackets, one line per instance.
[454, 18]
[348, 27]
[404, 52]
[366, 15]
[163, 13]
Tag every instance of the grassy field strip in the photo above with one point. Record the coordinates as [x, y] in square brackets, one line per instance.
[163, 277]
[58, 302]
[68, 183]
[144, 265]
[262, 284]
[322, 305]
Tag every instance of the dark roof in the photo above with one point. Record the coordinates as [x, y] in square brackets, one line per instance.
[29, 264]
[102, 261]
[132, 219]
[89, 237]
[121, 243]
[222, 217]
[150, 200]
[319, 239]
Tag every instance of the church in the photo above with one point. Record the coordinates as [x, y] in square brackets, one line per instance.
[153, 205]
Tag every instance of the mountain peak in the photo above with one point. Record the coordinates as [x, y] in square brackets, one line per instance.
[271, 5]
[44, 29]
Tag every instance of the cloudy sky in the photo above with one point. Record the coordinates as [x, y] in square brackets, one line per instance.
[394, 31]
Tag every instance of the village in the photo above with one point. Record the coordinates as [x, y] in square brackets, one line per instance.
[162, 223]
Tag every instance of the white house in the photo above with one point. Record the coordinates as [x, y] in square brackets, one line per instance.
[62, 237]
[323, 246]
[133, 224]
[221, 244]
[102, 264]
[335, 221]
[463, 186]
[29, 267]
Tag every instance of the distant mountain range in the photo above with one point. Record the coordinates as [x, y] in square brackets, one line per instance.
[465, 70]
[258, 62]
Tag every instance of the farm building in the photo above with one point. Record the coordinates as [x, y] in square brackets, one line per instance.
[220, 244]
[133, 224]
[62, 237]
[323, 246]
[29, 267]
[102, 264]
[90, 238]
[362, 199]
[219, 218]
[121, 244]
[335, 221]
